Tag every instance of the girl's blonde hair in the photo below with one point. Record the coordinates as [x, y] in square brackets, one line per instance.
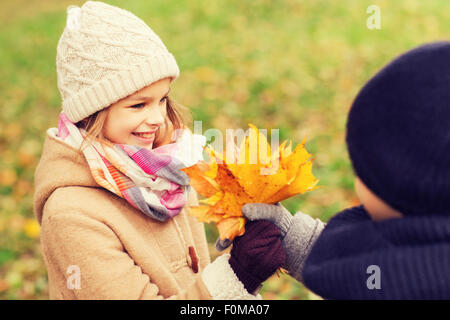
[178, 117]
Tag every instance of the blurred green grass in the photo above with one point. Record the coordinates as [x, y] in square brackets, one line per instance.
[289, 65]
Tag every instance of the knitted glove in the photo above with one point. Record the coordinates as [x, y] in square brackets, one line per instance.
[257, 254]
[298, 232]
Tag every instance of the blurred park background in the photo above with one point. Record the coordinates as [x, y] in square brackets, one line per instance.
[291, 65]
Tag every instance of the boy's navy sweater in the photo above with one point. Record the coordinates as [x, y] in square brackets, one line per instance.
[412, 253]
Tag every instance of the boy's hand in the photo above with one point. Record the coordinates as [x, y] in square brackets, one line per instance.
[298, 232]
[277, 214]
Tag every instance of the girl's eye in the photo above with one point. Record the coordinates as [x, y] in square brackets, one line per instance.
[164, 99]
[141, 105]
[138, 106]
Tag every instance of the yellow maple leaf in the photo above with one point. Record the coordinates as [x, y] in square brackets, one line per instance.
[255, 174]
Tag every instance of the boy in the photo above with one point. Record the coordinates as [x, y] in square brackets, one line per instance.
[396, 245]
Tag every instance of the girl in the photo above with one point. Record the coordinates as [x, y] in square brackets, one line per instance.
[109, 193]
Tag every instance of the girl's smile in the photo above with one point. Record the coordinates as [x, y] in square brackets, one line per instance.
[145, 137]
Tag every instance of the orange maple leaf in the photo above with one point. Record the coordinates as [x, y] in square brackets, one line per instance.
[252, 174]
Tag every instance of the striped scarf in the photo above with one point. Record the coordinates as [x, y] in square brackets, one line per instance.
[150, 180]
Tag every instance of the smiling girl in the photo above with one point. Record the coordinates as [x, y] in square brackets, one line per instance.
[109, 193]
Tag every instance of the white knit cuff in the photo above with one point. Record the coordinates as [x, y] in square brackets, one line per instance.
[222, 282]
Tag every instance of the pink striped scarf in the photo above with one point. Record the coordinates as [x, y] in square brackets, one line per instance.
[150, 180]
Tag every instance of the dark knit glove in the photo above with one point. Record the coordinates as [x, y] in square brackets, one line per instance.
[298, 232]
[257, 254]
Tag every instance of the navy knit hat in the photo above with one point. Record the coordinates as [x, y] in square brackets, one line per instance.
[398, 132]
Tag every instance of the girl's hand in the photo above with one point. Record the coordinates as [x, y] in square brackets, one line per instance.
[257, 254]
[298, 232]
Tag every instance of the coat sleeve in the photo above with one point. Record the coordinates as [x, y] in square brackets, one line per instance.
[76, 242]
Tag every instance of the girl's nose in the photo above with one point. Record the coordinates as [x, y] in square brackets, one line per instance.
[155, 115]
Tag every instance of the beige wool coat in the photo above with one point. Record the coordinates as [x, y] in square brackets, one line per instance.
[97, 246]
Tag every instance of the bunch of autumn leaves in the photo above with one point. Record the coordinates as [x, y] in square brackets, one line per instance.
[251, 173]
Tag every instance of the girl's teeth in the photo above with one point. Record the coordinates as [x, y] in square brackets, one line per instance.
[144, 135]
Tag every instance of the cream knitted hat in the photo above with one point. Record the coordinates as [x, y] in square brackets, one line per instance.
[105, 54]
